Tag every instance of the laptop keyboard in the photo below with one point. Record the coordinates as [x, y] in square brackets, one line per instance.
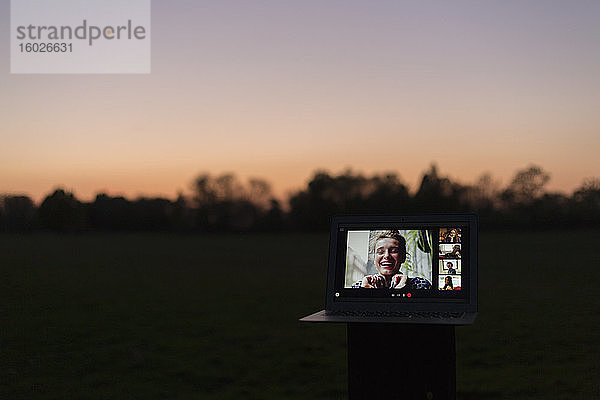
[398, 314]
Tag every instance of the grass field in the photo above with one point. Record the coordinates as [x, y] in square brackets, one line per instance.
[215, 317]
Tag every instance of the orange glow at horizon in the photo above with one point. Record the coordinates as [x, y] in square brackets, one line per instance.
[168, 183]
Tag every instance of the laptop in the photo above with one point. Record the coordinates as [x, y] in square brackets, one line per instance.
[419, 269]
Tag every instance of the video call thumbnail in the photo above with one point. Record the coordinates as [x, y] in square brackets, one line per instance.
[450, 235]
[449, 282]
[450, 250]
[450, 267]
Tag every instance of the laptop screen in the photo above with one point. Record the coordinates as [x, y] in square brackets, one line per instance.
[403, 261]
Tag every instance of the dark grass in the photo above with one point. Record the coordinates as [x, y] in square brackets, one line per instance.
[215, 317]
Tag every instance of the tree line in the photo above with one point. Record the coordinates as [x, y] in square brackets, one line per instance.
[224, 203]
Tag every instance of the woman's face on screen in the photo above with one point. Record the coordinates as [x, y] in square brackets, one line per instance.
[388, 256]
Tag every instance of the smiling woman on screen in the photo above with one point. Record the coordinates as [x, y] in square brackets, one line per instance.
[389, 254]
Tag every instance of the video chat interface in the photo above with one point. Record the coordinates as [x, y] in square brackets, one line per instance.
[442, 266]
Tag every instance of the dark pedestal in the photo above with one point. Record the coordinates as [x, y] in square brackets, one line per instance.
[396, 361]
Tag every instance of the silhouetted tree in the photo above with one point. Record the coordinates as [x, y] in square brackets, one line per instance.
[522, 198]
[324, 197]
[274, 219]
[586, 203]
[437, 193]
[589, 193]
[346, 193]
[526, 186]
[483, 199]
[111, 213]
[387, 194]
[61, 212]
[16, 213]
[550, 210]
[143, 214]
[258, 192]
[182, 215]
[224, 203]
[152, 214]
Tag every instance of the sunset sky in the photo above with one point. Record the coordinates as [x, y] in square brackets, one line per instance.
[277, 89]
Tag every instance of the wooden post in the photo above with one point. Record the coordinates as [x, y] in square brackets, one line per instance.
[397, 361]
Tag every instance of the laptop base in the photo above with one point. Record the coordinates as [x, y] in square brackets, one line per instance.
[323, 316]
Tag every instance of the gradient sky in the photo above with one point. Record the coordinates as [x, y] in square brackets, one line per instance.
[277, 89]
